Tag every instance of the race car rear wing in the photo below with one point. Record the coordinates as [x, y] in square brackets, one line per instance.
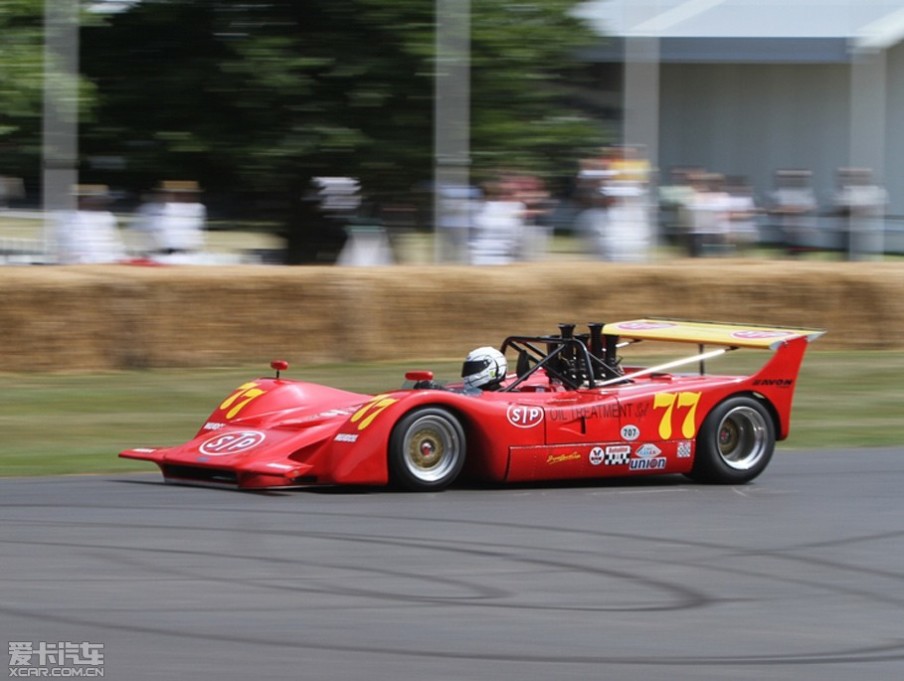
[725, 335]
[709, 333]
[591, 359]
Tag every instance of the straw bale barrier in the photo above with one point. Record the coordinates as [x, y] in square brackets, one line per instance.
[117, 317]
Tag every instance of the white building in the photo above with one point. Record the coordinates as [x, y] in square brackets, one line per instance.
[748, 88]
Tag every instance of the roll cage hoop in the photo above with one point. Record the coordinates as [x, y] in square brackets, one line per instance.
[586, 360]
[575, 360]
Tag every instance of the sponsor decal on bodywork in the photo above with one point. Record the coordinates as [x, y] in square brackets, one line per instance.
[648, 451]
[240, 399]
[756, 334]
[644, 326]
[630, 433]
[562, 458]
[346, 437]
[613, 455]
[648, 458]
[232, 443]
[609, 410]
[655, 464]
[684, 450]
[617, 455]
[775, 382]
[522, 416]
[678, 409]
[366, 414]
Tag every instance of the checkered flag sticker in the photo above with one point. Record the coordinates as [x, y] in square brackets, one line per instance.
[616, 456]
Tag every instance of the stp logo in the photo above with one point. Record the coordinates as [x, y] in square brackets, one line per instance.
[232, 443]
[644, 326]
[524, 417]
[754, 334]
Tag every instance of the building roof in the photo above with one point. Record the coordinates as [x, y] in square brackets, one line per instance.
[819, 24]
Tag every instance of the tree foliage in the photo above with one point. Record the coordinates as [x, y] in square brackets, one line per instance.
[263, 94]
[21, 83]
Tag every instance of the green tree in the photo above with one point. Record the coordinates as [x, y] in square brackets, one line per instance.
[21, 84]
[254, 98]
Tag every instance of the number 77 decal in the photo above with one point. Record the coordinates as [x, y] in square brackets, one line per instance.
[673, 402]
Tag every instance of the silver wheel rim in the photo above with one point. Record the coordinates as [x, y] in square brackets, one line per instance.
[432, 448]
[742, 438]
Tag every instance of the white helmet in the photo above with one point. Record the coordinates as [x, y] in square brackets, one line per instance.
[483, 367]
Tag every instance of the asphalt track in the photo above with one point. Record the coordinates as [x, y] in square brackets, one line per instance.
[797, 576]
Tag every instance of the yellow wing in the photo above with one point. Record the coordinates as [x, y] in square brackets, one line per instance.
[709, 333]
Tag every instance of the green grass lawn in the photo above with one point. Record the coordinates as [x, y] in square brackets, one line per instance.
[55, 424]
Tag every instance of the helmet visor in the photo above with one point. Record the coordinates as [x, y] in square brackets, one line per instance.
[474, 367]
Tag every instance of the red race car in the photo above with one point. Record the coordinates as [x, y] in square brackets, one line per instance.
[571, 409]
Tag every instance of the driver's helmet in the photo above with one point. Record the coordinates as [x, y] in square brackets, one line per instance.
[484, 367]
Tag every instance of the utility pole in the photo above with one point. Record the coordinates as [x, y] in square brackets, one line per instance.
[60, 116]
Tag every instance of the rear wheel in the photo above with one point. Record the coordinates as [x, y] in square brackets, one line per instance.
[426, 450]
[735, 442]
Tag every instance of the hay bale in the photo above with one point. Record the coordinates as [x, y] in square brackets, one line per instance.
[114, 317]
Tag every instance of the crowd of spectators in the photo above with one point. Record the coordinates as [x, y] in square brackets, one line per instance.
[614, 210]
[707, 212]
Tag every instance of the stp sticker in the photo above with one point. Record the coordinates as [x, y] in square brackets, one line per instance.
[232, 443]
[644, 326]
[755, 334]
[524, 417]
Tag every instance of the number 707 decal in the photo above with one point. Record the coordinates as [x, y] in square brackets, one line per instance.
[674, 404]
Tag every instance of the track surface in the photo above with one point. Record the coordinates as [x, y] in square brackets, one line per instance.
[797, 576]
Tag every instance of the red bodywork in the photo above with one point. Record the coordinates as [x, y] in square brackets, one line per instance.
[273, 432]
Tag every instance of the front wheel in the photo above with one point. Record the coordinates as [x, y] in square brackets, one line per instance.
[426, 450]
[735, 442]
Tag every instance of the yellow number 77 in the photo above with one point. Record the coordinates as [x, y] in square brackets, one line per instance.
[671, 401]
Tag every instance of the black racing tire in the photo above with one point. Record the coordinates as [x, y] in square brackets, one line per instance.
[427, 450]
[735, 442]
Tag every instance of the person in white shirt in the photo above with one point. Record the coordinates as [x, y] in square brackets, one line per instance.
[89, 234]
[175, 222]
[498, 226]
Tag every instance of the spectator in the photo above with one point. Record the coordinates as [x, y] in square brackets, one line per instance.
[861, 204]
[618, 225]
[794, 204]
[89, 234]
[592, 225]
[710, 211]
[531, 191]
[499, 225]
[457, 206]
[742, 214]
[676, 201]
[174, 219]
